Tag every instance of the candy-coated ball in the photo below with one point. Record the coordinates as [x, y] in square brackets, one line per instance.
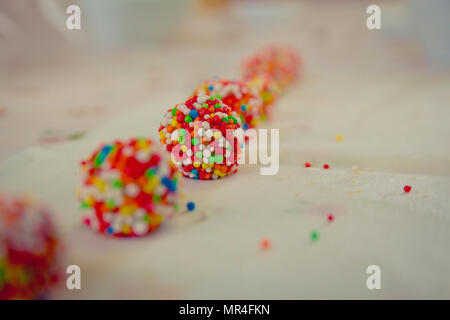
[238, 95]
[282, 63]
[208, 146]
[407, 188]
[128, 187]
[30, 250]
[268, 90]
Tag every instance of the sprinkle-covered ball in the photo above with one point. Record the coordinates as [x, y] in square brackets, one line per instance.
[268, 90]
[128, 188]
[238, 95]
[279, 62]
[30, 250]
[204, 137]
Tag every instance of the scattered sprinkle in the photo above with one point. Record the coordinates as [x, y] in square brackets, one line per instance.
[265, 244]
[307, 164]
[355, 169]
[326, 166]
[407, 188]
[339, 137]
[190, 206]
[314, 235]
[330, 217]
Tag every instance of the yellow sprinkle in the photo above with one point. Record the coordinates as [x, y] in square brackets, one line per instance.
[127, 209]
[155, 220]
[355, 192]
[100, 184]
[90, 201]
[151, 184]
[339, 137]
[217, 134]
[126, 229]
[142, 144]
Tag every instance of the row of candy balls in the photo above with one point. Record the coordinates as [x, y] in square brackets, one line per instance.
[129, 187]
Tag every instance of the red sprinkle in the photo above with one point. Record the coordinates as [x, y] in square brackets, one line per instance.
[330, 217]
[407, 188]
[265, 244]
[307, 164]
[325, 166]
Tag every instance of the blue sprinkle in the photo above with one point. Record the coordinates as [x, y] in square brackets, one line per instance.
[190, 206]
[193, 114]
[194, 171]
[110, 230]
[169, 184]
[243, 107]
[106, 149]
[245, 126]
[211, 88]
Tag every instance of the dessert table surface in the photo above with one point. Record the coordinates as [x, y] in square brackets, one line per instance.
[390, 110]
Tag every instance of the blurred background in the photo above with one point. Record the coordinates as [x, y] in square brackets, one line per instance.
[57, 83]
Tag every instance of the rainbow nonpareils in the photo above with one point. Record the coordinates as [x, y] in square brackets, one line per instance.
[281, 63]
[238, 95]
[128, 188]
[30, 250]
[204, 137]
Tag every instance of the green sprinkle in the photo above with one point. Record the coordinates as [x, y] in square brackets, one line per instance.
[217, 106]
[182, 132]
[146, 218]
[211, 159]
[181, 139]
[218, 96]
[117, 184]
[314, 236]
[199, 154]
[150, 173]
[219, 158]
[84, 205]
[225, 119]
[187, 119]
[234, 119]
[195, 141]
[156, 198]
[2, 275]
[110, 203]
[212, 98]
[205, 105]
[174, 110]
